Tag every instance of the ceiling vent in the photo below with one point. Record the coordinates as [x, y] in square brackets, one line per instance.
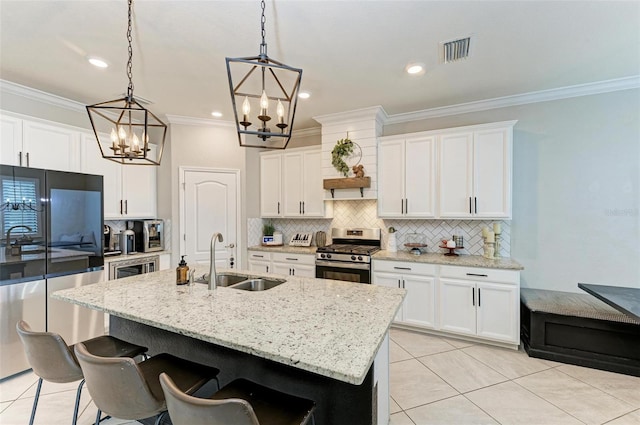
[455, 50]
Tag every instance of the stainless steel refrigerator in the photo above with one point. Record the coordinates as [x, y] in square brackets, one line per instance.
[51, 239]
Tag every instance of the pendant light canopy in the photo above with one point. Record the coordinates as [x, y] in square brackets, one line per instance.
[123, 128]
[259, 87]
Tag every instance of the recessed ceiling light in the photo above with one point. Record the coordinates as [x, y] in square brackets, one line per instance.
[216, 114]
[415, 68]
[97, 62]
[304, 95]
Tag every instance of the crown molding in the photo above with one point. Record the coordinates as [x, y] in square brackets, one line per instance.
[374, 112]
[588, 89]
[307, 132]
[9, 87]
[199, 122]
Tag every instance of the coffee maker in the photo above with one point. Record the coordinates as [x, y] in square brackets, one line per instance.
[111, 241]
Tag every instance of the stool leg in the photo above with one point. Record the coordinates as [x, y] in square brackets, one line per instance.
[35, 402]
[98, 417]
[160, 417]
[75, 410]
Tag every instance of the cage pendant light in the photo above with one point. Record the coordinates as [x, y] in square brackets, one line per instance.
[124, 129]
[261, 86]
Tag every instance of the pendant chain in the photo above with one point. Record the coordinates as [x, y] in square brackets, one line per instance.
[129, 62]
[263, 46]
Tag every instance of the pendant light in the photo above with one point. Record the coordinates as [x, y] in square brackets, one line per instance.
[124, 128]
[263, 86]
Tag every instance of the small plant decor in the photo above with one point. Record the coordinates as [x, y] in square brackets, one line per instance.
[342, 149]
[268, 229]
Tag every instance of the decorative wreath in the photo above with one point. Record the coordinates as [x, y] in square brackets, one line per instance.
[343, 149]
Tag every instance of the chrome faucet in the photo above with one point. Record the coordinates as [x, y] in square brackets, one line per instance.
[8, 247]
[213, 276]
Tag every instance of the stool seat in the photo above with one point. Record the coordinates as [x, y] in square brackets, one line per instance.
[109, 346]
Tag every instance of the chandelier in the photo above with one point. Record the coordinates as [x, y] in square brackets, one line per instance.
[124, 128]
[262, 84]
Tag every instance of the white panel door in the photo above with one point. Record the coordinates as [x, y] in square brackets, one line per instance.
[456, 175]
[419, 304]
[313, 193]
[391, 178]
[420, 177]
[303, 270]
[210, 205]
[498, 312]
[139, 189]
[94, 163]
[457, 306]
[391, 281]
[270, 185]
[492, 173]
[50, 147]
[282, 268]
[10, 140]
[292, 184]
[259, 266]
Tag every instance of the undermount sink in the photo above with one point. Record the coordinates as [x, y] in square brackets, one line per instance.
[224, 279]
[258, 284]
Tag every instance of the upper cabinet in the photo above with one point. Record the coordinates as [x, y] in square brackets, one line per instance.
[475, 172]
[291, 184]
[406, 177]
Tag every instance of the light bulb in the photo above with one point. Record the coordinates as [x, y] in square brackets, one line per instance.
[246, 107]
[135, 143]
[122, 135]
[280, 112]
[264, 103]
[114, 136]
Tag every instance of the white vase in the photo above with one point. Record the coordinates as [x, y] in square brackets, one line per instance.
[392, 245]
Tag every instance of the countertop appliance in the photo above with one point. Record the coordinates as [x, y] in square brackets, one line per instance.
[52, 227]
[349, 256]
[149, 235]
[133, 267]
[128, 241]
[111, 242]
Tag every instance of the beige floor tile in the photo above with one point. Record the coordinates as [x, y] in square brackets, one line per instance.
[632, 418]
[510, 363]
[400, 419]
[587, 403]
[624, 387]
[418, 344]
[397, 353]
[461, 371]
[459, 343]
[54, 408]
[509, 403]
[4, 405]
[88, 417]
[52, 387]
[14, 387]
[413, 384]
[454, 410]
[393, 406]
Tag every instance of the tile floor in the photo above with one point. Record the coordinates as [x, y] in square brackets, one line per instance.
[434, 380]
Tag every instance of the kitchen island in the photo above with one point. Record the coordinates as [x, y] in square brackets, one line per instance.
[321, 339]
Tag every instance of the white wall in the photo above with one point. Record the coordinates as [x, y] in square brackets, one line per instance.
[576, 187]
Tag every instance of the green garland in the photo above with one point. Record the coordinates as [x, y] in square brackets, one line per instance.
[342, 149]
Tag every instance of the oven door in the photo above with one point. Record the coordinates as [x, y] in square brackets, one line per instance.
[349, 272]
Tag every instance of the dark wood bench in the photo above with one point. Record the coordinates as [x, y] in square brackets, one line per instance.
[578, 329]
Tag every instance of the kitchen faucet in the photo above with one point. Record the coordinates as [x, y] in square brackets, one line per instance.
[8, 247]
[213, 276]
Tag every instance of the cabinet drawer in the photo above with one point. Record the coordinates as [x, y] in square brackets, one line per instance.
[480, 274]
[284, 257]
[259, 256]
[404, 267]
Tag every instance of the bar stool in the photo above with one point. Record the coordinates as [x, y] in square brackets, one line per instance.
[53, 360]
[241, 402]
[125, 389]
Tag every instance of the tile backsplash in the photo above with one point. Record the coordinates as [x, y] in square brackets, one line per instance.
[364, 214]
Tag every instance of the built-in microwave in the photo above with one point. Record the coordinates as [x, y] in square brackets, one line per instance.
[133, 267]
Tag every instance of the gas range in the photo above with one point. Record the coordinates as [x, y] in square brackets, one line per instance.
[346, 252]
[349, 257]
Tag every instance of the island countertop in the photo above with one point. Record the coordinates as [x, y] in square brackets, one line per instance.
[328, 327]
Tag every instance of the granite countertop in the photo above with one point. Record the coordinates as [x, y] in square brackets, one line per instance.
[328, 327]
[461, 260]
[285, 248]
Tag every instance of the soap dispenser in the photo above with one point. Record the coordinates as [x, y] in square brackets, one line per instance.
[182, 272]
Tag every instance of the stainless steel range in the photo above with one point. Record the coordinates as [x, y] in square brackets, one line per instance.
[349, 256]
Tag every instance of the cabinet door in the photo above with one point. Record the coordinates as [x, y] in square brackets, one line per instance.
[10, 140]
[282, 268]
[50, 147]
[139, 190]
[498, 312]
[94, 163]
[457, 306]
[312, 191]
[259, 266]
[391, 281]
[270, 185]
[492, 173]
[456, 175]
[302, 270]
[419, 304]
[391, 178]
[292, 184]
[420, 178]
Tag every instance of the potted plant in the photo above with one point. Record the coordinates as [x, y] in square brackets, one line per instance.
[268, 229]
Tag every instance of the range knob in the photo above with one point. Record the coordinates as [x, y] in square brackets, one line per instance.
[353, 257]
[322, 255]
[360, 257]
[328, 255]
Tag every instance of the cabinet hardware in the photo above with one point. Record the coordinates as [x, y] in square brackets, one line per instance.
[291, 259]
[399, 284]
[27, 159]
[20, 158]
[476, 274]
[402, 268]
[120, 206]
[475, 200]
[267, 269]
[126, 206]
[478, 297]
[293, 272]
[473, 296]
[406, 206]
[258, 256]
[300, 207]
[401, 206]
[278, 207]
[403, 287]
[469, 204]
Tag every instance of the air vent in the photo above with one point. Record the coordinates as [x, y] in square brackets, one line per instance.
[455, 50]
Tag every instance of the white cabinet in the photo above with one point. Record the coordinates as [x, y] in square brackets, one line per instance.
[475, 172]
[480, 302]
[291, 184]
[407, 175]
[418, 307]
[129, 190]
[165, 262]
[301, 265]
[10, 140]
[260, 261]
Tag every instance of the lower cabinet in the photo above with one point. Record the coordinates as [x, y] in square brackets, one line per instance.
[480, 302]
[260, 262]
[301, 265]
[419, 280]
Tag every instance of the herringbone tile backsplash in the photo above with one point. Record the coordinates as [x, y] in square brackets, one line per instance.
[364, 214]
